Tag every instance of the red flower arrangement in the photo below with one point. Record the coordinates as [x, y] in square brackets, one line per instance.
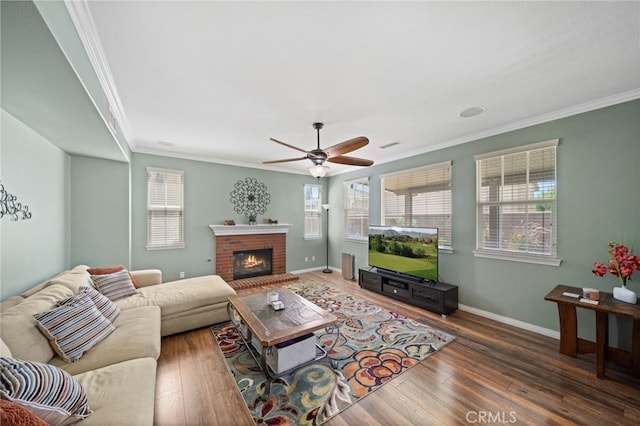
[622, 263]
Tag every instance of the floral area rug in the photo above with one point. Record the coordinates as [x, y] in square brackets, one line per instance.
[374, 346]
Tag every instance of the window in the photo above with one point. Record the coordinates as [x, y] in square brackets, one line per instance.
[312, 208]
[165, 208]
[516, 203]
[356, 209]
[419, 197]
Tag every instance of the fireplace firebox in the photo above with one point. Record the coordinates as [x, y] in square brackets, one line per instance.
[252, 263]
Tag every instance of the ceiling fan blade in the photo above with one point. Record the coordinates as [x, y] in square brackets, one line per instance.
[346, 146]
[284, 160]
[290, 146]
[351, 161]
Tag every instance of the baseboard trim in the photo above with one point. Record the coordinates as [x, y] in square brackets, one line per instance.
[317, 268]
[511, 321]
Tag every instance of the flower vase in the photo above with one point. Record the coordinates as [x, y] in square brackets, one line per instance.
[625, 295]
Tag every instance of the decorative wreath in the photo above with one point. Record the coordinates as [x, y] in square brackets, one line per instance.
[250, 197]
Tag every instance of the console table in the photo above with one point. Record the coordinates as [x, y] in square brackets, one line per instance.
[572, 345]
[438, 297]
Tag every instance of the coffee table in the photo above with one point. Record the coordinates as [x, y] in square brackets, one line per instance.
[270, 327]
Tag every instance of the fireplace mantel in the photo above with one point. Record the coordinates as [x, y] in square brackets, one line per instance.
[276, 228]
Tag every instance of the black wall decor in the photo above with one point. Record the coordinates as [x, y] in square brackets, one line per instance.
[250, 198]
[9, 206]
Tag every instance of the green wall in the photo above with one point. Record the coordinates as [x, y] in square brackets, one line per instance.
[37, 172]
[207, 193]
[99, 212]
[598, 201]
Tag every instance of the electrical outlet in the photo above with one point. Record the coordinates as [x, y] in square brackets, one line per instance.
[181, 274]
[306, 259]
[313, 258]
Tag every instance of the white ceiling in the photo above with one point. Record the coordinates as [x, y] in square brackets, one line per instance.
[218, 79]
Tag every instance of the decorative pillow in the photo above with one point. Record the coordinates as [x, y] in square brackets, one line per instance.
[115, 286]
[106, 307]
[74, 328]
[110, 270]
[13, 414]
[45, 390]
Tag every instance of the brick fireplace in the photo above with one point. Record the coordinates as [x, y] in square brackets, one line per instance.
[237, 238]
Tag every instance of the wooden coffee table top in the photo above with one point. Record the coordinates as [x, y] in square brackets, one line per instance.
[299, 316]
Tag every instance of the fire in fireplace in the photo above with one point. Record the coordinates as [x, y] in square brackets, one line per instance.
[251, 263]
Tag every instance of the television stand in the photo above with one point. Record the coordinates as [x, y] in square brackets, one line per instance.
[396, 276]
[438, 297]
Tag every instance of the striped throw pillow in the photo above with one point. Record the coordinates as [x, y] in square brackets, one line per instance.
[45, 390]
[106, 307]
[115, 286]
[110, 270]
[74, 328]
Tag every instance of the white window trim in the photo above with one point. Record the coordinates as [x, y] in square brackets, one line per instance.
[166, 246]
[364, 238]
[548, 260]
[517, 257]
[320, 228]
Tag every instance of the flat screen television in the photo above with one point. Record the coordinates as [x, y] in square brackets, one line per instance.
[405, 250]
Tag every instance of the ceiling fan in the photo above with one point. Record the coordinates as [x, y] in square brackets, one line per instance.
[333, 154]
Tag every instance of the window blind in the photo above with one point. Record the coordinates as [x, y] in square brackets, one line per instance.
[312, 207]
[516, 200]
[165, 208]
[419, 197]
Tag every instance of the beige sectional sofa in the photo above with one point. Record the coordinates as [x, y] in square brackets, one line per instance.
[118, 373]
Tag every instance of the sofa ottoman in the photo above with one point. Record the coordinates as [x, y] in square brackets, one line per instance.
[186, 304]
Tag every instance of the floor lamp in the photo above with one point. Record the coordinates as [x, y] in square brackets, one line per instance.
[327, 270]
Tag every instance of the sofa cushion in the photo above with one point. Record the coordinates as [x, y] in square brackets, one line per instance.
[191, 293]
[18, 327]
[73, 279]
[4, 350]
[115, 286]
[194, 318]
[10, 302]
[36, 288]
[110, 270]
[129, 397]
[74, 328]
[106, 307]
[13, 414]
[136, 335]
[146, 277]
[50, 393]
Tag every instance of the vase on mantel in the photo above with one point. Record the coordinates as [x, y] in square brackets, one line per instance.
[625, 295]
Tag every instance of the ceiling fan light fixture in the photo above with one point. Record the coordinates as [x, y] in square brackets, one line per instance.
[318, 170]
[333, 154]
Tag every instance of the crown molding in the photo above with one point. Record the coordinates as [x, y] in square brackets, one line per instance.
[517, 125]
[207, 159]
[85, 27]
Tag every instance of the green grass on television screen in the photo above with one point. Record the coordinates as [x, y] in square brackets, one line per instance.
[419, 267]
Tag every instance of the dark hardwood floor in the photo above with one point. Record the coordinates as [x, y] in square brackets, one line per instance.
[491, 374]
